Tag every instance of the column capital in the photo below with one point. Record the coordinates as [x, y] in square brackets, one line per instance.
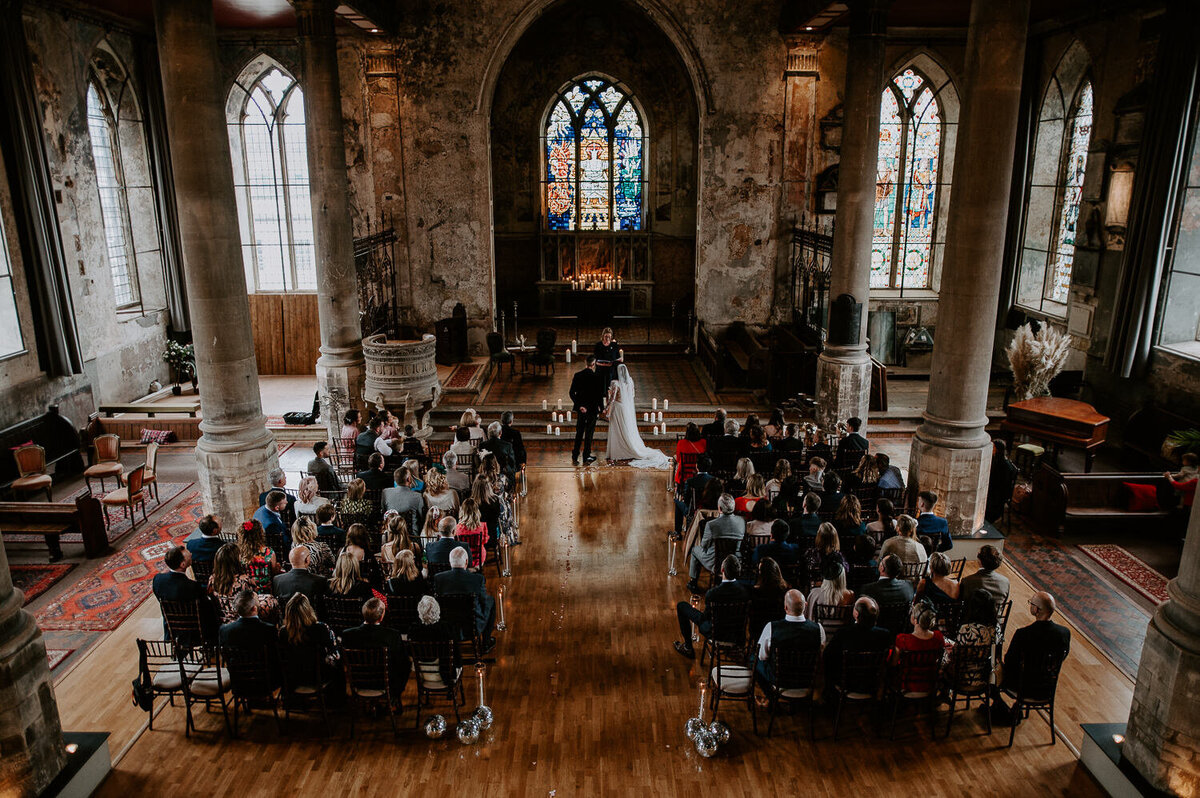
[314, 17]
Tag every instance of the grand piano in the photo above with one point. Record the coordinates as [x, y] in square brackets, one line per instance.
[1062, 423]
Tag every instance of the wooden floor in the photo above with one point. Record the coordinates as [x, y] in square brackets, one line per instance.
[589, 697]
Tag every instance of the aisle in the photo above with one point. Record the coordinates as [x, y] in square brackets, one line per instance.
[590, 698]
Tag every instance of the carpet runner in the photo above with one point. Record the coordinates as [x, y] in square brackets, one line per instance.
[462, 375]
[1130, 570]
[34, 580]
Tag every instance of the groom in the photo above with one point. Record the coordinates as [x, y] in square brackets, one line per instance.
[587, 389]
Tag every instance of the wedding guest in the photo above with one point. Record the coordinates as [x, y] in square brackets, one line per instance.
[270, 516]
[758, 440]
[404, 499]
[716, 427]
[512, 435]
[320, 559]
[751, 423]
[175, 585]
[726, 526]
[861, 636]
[923, 638]
[413, 446]
[728, 447]
[848, 518]
[470, 420]
[884, 525]
[375, 478]
[229, 577]
[437, 552]
[463, 445]
[791, 441]
[712, 493]
[396, 538]
[298, 580]
[356, 502]
[459, 580]
[729, 590]
[934, 526]
[257, 556]
[776, 426]
[905, 544]
[862, 553]
[779, 550]
[988, 577]
[406, 578]
[938, 587]
[250, 632]
[854, 442]
[372, 635]
[766, 597]
[433, 522]
[809, 522]
[833, 489]
[350, 429]
[304, 639]
[832, 592]
[890, 477]
[980, 625]
[319, 467]
[278, 480]
[741, 477]
[438, 493]
[329, 533]
[472, 530]
[783, 470]
[759, 524]
[358, 543]
[865, 474]
[1185, 480]
[816, 475]
[692, 443]
[1001, 480]
[489, 505]
[459, 481]
[756, 491]
[307, 498]
[826, 548]
[205, 547]
[505, 456]
[347, 580]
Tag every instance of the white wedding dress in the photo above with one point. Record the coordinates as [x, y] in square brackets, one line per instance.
[624, 440]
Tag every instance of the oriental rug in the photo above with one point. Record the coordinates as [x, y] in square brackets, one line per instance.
[56, 656]
[1130, 570]
[34, 580]
[462, 375]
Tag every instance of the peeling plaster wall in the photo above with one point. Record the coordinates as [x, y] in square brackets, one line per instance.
[122, 352]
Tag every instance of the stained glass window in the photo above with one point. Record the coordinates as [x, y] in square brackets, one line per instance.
[911, 131]
[270, 158]
[595, 146]
[1075, 152]
[114, 209]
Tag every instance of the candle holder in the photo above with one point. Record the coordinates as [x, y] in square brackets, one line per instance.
[672, 544]
[506, 570]
[501, 626]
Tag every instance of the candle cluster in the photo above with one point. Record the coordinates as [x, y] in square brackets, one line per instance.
[595, 281]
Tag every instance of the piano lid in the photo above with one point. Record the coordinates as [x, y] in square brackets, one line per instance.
[1056, 408]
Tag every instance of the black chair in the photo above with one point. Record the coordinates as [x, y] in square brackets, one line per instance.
[957, 567]
[161, 672]
[794, 672]
[277, 546]
[340, 613]
[726, 647]
[1003, 610]
[543, 356]
[749, 544]
[914, 669]
[498, 355]
[895, 616]
[202, 570]
[304, 682]
[723, 547]
[437, 675]
[253, 681]
[458, 614]
[833, 617]
[859, 683]
[914, 572]
[369, 682]
[435, 568]
[209, 683]
[1036, 687]
[860, 575]
[948, 617]
[185, 624]
[969, 677]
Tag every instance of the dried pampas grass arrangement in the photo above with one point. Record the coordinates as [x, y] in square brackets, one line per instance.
[1036, 358]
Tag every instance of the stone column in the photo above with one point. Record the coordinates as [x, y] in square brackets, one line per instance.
[951, 452]
[340, 369]
[844, 368]
[1163, 737]
[31, 742]
[235, 450]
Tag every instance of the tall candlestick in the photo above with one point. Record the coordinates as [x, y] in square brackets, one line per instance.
[500, 626]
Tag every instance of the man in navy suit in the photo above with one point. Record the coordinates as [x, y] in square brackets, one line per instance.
[270, 515]
[204, 548]
[327, 532]
[438, 551]
[278, 482]
[730, 589]
[936, 527]
[806, 524]
[692, 488]
[778, 549]
[176, 585]
[854, 442]
[459, 580]
[249, 633]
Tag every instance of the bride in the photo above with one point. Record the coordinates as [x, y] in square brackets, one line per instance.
[624, 440]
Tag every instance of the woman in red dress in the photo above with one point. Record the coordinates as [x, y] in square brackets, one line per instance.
[693, 443]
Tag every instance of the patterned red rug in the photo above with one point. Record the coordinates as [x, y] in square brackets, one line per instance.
[1130, 570]
[56, 656]
[34, 580]
[107, 596]
[463, 374]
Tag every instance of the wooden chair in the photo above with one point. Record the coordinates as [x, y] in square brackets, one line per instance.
[150, 475]
[895, 616]
[128, 497]
[340, 613]
[833, 617]
[498, 355]
[369, 683]
[543, 357]
[435, 568]
[914, 571]
[458, 614]
[969, 677]
[794, 674]
[31, 471]
[202, 570]
[948, 617]
[723, 547]
[1036, 688]
[860, 678]
[749, 544]
[210, 684]
[304, 683]
[402, 613]
[729, 621]
[957, 567]
[161, 673]
[1003, 610]
[186, 624]
[435, 678]
[106, 461]
[914, 668]
[253, 682]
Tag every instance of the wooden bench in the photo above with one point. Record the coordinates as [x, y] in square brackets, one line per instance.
[189, 408]
[1066, 501]
[52, 520]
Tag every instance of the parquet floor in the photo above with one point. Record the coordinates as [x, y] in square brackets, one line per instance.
[589, 697]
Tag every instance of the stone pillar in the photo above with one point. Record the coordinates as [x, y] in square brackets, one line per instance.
[800, 134]
[844, 368]
[951, 452]
[1163, 737]
[340, 369]
[31, 743]
[235, 450]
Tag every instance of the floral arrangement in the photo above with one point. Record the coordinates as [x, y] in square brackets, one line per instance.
[1036, 358]
[181, 358]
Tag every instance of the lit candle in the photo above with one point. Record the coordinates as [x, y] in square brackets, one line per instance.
[560, 403]
[549, 429]
[660, 415]
[558, 430]
[618, 282]
[654, 403]
[554, 416]
[664, 428]
[574, 345]
[568, 354]
[620, 354]
[666, 405]
[543, 404]
[500, 626]
[568, 416]
[655, 429]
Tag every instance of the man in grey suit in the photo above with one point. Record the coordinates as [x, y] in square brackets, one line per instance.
[404, 500]
[319, 467]
[726, 526]
[987, 577]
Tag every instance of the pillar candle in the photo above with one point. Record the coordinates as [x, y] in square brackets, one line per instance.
[621, 354]
[568, 416]
[549, 429]
[568, 355]
[560, 403]
[666, 405]
[543, 404]
[645, 417]
[660, 415]
[654, 403]
[664, 428]
[558, 430]
[574, 345]
[656, 429]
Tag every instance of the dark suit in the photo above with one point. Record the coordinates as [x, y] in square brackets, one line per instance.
[332, 536]
[937, 528]
[853, 443]
[854, 638]
[373, 635]
[504, 454]
[1000, 486]
[607, 358]
[176, 586]
[289, 513]
[687, 614]
[889, 591]
[273, 523]
[713, 429]
[726, 450]
[364, 447]
[376, 479]
[782, 553]
[460, 580]
[1036, 639]
[513, 436]
[204, 549]
[805, 525]
[788, 445]
[299, 580]
[327, 478]
[249, 634]
[588, 387]
[438, 551]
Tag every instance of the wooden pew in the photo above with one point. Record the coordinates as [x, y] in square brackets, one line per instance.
[185, 407]
[1066, 501]
[52, 520]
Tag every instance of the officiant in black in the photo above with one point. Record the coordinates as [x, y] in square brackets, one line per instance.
[587, 389]
[608, 354]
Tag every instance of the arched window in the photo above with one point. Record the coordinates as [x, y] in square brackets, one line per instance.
[114, 207]
[265, 112]
[1055, 188]
[912, 179]
[595, 145]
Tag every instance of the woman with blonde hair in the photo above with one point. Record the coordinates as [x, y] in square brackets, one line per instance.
[438, 493]
[406, 578]
[472, 527]
[741, 476]
[358, 543]
[756, 491]
[356, 502]
[905, 544]
[307, 497]
[429, 532]
[414, 467]
[256, 555]
[470, 420]
[320, 558]
[396, 537]
[832, 592]
[347, 578]
[938, 586]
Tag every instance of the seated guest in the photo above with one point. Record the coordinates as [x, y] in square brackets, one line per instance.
[766, 597]
[778, 549]
[470, 419]
[256, 555]
[751, 422]
[319, 467]
[404, 499]
[791, 441]
[788, 502]
[807, 524]
[832, 592]
[248, 632]
[890, 477]
[491, 506]
[412, 446]
[229, 578]
[438, 494]
[825, 549]
[406, 578]
[496, 444]
[905, 544]
[691, 443]
[816, 475]
[513, 436]
[756, 491]
[307, 498]
[278, 480]
[396, 538]
[413, 467]
[848, 518]
[832, 492]
[922, 638]
[727, 526]
[988, 577]
[205, 547]
[865, 474]
[350, 428]
[716, 427]
[688, 494]
[347, 580]
[729, 446]
[356, 504]
[358, 543]
[320, 558]
[890, 589]
[299, 579]
[390, 428]
[328, 533]
[371, 442]
[270, 516]
[938, 587]
[462, 442]
[932, 525]
[859, 637]
[1001, 480]
[783, 471]
[728, 590]
[473, 531]
[375, 478]
[776, 426]
[458, 481]
[758, 439]
[438, 552]
[862, 552]
[760, 517]
[429, 531]
[459, 580]
[1040, 638]
[741, 476]
[854, 442]
[303, 639]
[884, 525]
[429, 627]
[980, 625]
[793, 632]
[1183, 481]
[927, 544]
[176, 585]
[374, 635]
[713, 490]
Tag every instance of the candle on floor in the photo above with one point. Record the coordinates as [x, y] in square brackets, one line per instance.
[660, 415]
[664, 428]
[654, 403]
[568, 416]
[543, 404]
[549, 429]
[558, 430]
[620, 354]
[655, 429]
[501, 626]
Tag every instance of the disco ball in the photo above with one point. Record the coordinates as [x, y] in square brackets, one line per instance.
[693, 727]
[435, 727]
[706, 744]
[483, 716]
[720, 731]
[467, 731]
